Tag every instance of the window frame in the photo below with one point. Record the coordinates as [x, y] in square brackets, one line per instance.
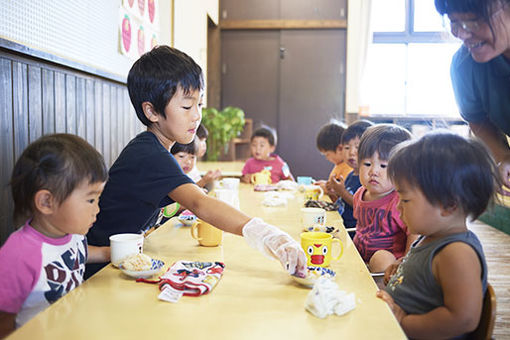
[406, 37]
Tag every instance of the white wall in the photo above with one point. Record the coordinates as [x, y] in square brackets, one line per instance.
[190, 28]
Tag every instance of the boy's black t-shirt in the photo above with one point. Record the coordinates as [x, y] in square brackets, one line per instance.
[137, 188]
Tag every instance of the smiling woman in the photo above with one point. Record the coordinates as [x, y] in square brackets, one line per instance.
[480, 71]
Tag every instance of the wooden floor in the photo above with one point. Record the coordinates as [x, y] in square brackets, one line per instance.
[496, 245]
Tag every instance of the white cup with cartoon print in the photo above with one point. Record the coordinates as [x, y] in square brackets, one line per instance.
[312, 216]
[124, 245]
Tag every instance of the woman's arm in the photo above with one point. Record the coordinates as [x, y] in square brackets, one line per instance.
[497, 142]
[7, 323]
[457, 269]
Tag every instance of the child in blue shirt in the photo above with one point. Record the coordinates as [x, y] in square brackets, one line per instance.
[166, 88]
[345, 188]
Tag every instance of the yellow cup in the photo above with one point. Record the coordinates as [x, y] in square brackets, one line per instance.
[262, 177]
[318, 248]
[206, 234]
[313, 192]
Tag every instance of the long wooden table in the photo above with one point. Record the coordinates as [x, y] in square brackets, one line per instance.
[228, 169]
[255, 299]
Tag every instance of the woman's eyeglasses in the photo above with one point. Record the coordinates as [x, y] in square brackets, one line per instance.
[470, 26]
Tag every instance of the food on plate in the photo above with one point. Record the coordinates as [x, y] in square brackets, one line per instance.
[138, 262]
[312, 274]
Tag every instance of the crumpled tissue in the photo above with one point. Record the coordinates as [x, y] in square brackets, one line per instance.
[274, 199]
[326, 298]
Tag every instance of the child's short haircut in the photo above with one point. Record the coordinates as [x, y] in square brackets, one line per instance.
[156, 75]
[381, 138]
[356, 129]
[450, 171]
[266, 132]
[58, 163]
[202, 132]
[330, 136]
[191, 148]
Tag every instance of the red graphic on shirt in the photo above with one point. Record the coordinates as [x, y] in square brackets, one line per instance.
[126, 33]
[65, 274]
[151, 8]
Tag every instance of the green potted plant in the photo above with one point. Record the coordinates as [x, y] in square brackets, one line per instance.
[223, 126]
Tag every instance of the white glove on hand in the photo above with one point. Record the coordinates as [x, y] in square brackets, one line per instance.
[277, 244]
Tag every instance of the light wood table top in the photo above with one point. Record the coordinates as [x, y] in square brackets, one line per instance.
[228, 169]
[255, 299]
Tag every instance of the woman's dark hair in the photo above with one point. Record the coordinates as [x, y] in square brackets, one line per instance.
[449, 169]
[191, 148]
[57, 163]
[381, 138]
[356, 129]
[156, 75]
[482, 9]
[266, 132]
[330, 136]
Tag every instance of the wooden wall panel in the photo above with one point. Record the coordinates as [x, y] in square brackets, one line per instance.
[48, 101]
[35, 118]
[98, 111]
[37, 98]
[60, 102]
[19, 107]
[6, 148]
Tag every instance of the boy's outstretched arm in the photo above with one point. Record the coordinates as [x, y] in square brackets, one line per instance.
[266, 238]
[7, 323]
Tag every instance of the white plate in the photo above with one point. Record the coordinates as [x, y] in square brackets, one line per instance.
[155, 268]
[313, 274]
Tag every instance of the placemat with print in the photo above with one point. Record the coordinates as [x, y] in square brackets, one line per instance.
[328, 206]
[193, 278]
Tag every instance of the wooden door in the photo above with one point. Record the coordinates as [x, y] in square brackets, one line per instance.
[250, 73]
[312, 91]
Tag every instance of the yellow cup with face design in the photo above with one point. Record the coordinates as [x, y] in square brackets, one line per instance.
[263, 177]
[206, 234]
[318, 248]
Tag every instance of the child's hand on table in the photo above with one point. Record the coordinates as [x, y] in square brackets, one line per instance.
[275, 243]
[397, 311]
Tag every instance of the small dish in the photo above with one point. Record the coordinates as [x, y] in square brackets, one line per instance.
[143, 274]
[313, 273]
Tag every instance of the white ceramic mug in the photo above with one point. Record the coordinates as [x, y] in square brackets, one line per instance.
[226, 195]
[124, 245]
[230, 183]
[312, 216]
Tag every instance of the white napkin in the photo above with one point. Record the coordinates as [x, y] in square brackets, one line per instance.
[274, 199]
[326, 298]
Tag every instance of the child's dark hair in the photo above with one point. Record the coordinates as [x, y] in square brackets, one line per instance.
[202, 132]
[156, 75]
[266, 132]
[330, 136]
[57, 163]
[356, 129]
[449, 169]
[381, 138]
[191, 148]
